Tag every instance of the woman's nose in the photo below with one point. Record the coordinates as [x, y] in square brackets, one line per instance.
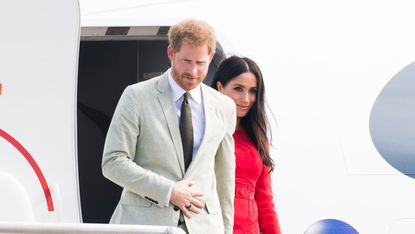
[245, 97]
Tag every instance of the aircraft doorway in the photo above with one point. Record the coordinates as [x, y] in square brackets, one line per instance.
[111, 58]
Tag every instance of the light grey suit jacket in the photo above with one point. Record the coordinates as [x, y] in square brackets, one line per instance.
[143, 154]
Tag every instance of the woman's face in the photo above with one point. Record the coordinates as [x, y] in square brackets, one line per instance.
[242, 89]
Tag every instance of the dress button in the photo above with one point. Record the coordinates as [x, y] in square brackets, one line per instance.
[176, 208]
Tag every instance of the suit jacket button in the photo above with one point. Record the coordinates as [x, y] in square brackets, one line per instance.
[176, 208]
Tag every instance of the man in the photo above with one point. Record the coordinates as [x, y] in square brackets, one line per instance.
[147, 146]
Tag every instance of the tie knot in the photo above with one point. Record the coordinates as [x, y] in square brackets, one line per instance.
[186, 97]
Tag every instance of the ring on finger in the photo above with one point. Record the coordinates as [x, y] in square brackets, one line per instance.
[189, 206]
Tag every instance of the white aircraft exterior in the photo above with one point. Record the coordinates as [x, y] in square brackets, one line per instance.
[340, 80]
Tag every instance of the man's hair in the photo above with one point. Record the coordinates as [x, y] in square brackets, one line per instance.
[194, 32]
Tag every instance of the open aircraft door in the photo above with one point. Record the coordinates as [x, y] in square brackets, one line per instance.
[39, 190]
[39, 59]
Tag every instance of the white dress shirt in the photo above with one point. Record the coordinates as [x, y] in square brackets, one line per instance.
[196, 104]
[198, 114]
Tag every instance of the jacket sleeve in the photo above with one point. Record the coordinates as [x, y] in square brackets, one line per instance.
[120, 151]
[225, 170]
[267, 216]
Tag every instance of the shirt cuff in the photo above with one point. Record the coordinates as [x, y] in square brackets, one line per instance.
[167, 201]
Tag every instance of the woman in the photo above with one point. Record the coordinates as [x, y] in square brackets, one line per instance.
[241, 79]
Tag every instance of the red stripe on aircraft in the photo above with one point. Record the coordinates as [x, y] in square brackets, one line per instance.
[34, 165]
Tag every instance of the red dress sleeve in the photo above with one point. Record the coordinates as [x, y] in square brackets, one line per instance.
[267, 217]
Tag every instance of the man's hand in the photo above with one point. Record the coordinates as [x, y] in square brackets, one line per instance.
[184, 197]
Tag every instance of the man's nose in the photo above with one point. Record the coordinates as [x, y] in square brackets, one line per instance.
[193, 69]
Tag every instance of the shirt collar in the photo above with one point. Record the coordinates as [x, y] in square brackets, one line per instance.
[177, 91]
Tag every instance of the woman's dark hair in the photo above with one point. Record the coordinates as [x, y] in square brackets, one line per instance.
[255, 122]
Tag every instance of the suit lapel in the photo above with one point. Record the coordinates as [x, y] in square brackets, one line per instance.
[167, 105]
[209, 112]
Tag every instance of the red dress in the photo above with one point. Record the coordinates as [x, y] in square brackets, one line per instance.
[254, 207]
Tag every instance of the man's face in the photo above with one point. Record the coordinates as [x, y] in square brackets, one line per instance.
[190, 65]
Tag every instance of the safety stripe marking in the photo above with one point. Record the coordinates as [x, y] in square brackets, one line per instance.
[34, 166]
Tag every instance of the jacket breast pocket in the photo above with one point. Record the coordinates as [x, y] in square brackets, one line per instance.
[132, 199]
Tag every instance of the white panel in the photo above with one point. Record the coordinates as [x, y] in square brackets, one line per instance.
[14, 200]
[38, 59]
[403, 226]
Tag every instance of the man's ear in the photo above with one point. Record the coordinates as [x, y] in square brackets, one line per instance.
[211, 56]
[170, 53]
